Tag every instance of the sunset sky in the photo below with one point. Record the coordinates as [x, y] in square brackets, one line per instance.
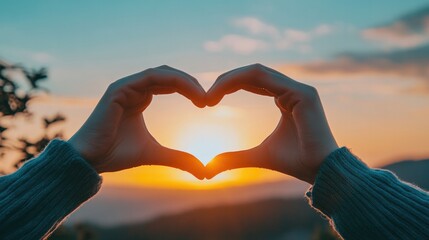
[369, 60]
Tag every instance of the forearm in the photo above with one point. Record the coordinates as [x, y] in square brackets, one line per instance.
[37, 197]
[366, 203]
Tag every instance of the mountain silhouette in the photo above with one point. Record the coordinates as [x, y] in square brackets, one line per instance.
[267, 219]
[412, 171]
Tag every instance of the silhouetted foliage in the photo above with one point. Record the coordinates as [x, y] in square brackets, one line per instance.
[14, 103]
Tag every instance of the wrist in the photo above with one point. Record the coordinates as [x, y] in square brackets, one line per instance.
[313, 166]
[79, 148]
[326, 155]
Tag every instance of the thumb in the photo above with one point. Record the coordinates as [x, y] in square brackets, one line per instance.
[178, 159]
[233, 160]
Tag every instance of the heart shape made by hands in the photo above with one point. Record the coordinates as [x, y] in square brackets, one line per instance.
[297, 146]
[240, 121]
[302, 138]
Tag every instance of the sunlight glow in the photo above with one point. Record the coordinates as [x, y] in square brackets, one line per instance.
[206, 141]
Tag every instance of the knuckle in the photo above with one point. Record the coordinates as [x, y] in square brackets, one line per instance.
[258, 71]
[115, 93]
[257, 67]
[149, 72]
[120, 97]
[219, 79]
[113, 87]
[310, 92]
[149, 75]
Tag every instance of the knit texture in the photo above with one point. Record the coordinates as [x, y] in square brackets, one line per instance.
[365, 203]
[36, 198]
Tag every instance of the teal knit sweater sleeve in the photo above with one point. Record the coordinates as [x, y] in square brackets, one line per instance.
[37, 197]
[365, 203]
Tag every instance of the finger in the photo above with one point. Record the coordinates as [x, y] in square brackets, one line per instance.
[249, 88]
[257, 90]
[177, 159]
[184, 73]
[247, 78]
[233, 160]
[286, 102]
[212, 96]
[230, 71]
[182, 83]
[200, 103]
[157, 80]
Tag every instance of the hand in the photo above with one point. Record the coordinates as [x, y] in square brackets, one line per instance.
[115, 136]
[302, 139]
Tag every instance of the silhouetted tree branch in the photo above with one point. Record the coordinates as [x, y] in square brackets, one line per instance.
[14, 103]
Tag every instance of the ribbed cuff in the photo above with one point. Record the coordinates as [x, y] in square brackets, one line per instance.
[365, 203]
[334, 180]
[44, 191]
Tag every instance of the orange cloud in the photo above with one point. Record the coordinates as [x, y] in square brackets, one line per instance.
[407, 31]
[409, 64]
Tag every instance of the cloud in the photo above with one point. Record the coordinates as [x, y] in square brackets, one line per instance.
[408, 60]
[323, 29]
[16, 54]
[404, 63]
[256, 26]
[41, 57]
[293, 38]
[236, 43]
[407, 31]
[262, 36]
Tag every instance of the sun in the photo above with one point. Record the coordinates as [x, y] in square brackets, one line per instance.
[208, 140]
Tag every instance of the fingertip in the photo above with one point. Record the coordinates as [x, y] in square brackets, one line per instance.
[181, 160]
[210, 101]
[212, 169]
[198, 170]
[199, 99]
[200, 177]
[210, 104]
[210, 175]
[199, 104]
[198, 173]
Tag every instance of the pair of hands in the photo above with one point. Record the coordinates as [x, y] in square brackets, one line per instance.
[115, 136]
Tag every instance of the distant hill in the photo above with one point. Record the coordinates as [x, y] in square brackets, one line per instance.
[269, 219]
[415, 172]
[278, 218]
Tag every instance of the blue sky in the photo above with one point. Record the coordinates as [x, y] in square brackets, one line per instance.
[120, 37]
